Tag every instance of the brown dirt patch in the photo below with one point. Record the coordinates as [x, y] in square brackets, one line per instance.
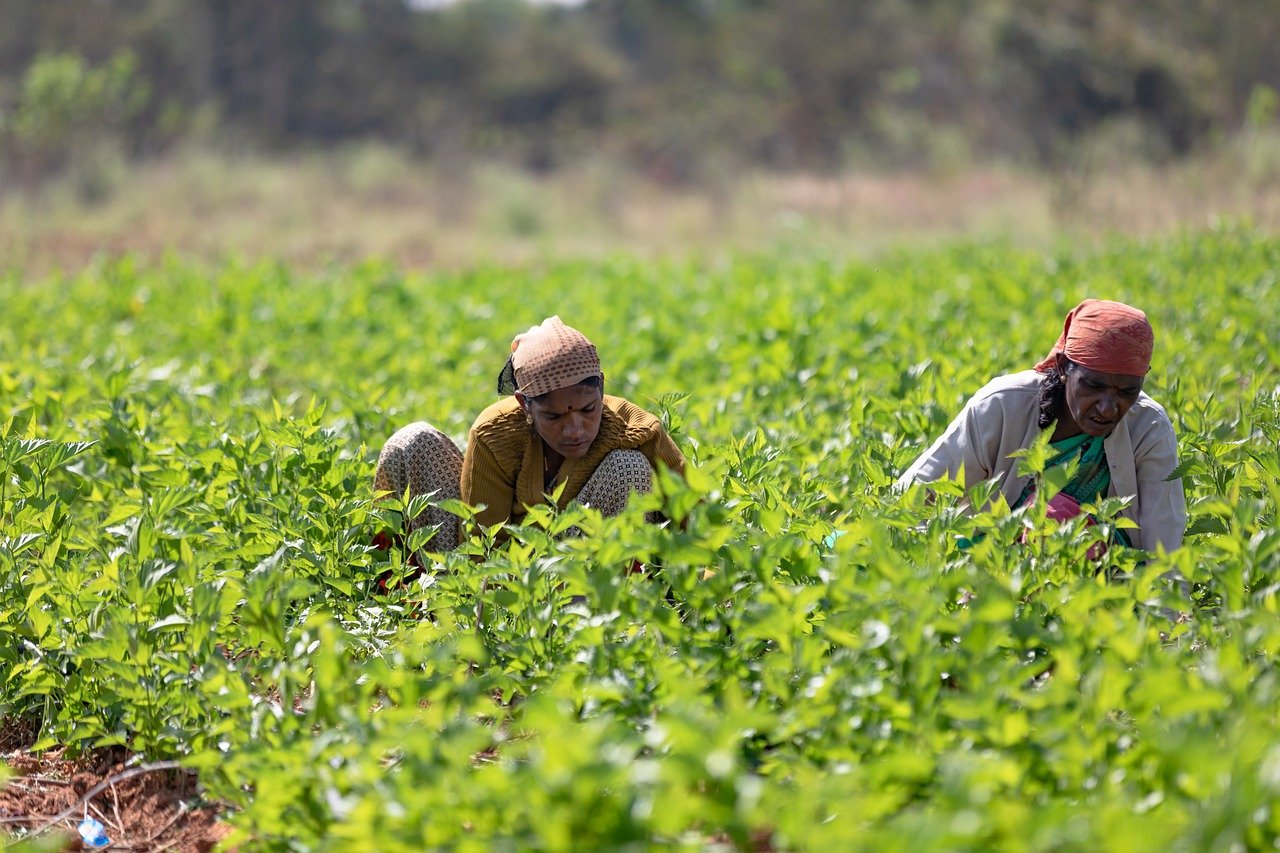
[17, 734]
[161, 810]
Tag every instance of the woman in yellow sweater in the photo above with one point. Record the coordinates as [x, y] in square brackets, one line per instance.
[555, 426]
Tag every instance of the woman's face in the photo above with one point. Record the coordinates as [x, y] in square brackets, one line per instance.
[1097, 401]
[568, 420]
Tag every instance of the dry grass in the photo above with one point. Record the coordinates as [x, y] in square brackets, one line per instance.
[372, 202]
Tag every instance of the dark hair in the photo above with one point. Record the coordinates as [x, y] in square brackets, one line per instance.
[507, 379]
[1053, 396]
[507, 382]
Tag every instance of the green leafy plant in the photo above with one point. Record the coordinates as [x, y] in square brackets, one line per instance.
[804, 659]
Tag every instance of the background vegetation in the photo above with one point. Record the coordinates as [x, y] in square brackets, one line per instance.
[676, 87]
[459, 133]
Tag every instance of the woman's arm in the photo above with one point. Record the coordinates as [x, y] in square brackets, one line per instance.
[662, 449]
[970, 442]
[1162, 506]
[485, 482]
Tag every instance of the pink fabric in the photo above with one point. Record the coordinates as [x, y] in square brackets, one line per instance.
[1106, 336]
[1063, 507]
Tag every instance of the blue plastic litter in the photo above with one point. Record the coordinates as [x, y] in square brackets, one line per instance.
[93, 833]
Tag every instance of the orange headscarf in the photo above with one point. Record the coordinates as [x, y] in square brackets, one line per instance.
[1106, 336]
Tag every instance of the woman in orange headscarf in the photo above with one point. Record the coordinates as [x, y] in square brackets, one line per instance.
[1088, 393]
[555, 427]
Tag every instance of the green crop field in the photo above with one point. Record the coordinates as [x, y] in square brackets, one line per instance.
[186, 457]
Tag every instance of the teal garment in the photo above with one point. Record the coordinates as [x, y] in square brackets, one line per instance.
[1091, 481]
[1092, 478]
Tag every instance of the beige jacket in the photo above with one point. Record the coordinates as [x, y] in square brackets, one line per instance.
[1001, 418]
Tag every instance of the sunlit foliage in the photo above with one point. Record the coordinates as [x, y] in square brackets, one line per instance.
[185, 509]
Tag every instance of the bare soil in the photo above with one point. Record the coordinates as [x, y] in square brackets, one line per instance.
[152, 811]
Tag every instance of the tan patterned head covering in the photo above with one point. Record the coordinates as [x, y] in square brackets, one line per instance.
[552, 356]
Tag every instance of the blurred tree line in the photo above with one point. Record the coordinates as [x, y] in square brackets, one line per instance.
[674, 87]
